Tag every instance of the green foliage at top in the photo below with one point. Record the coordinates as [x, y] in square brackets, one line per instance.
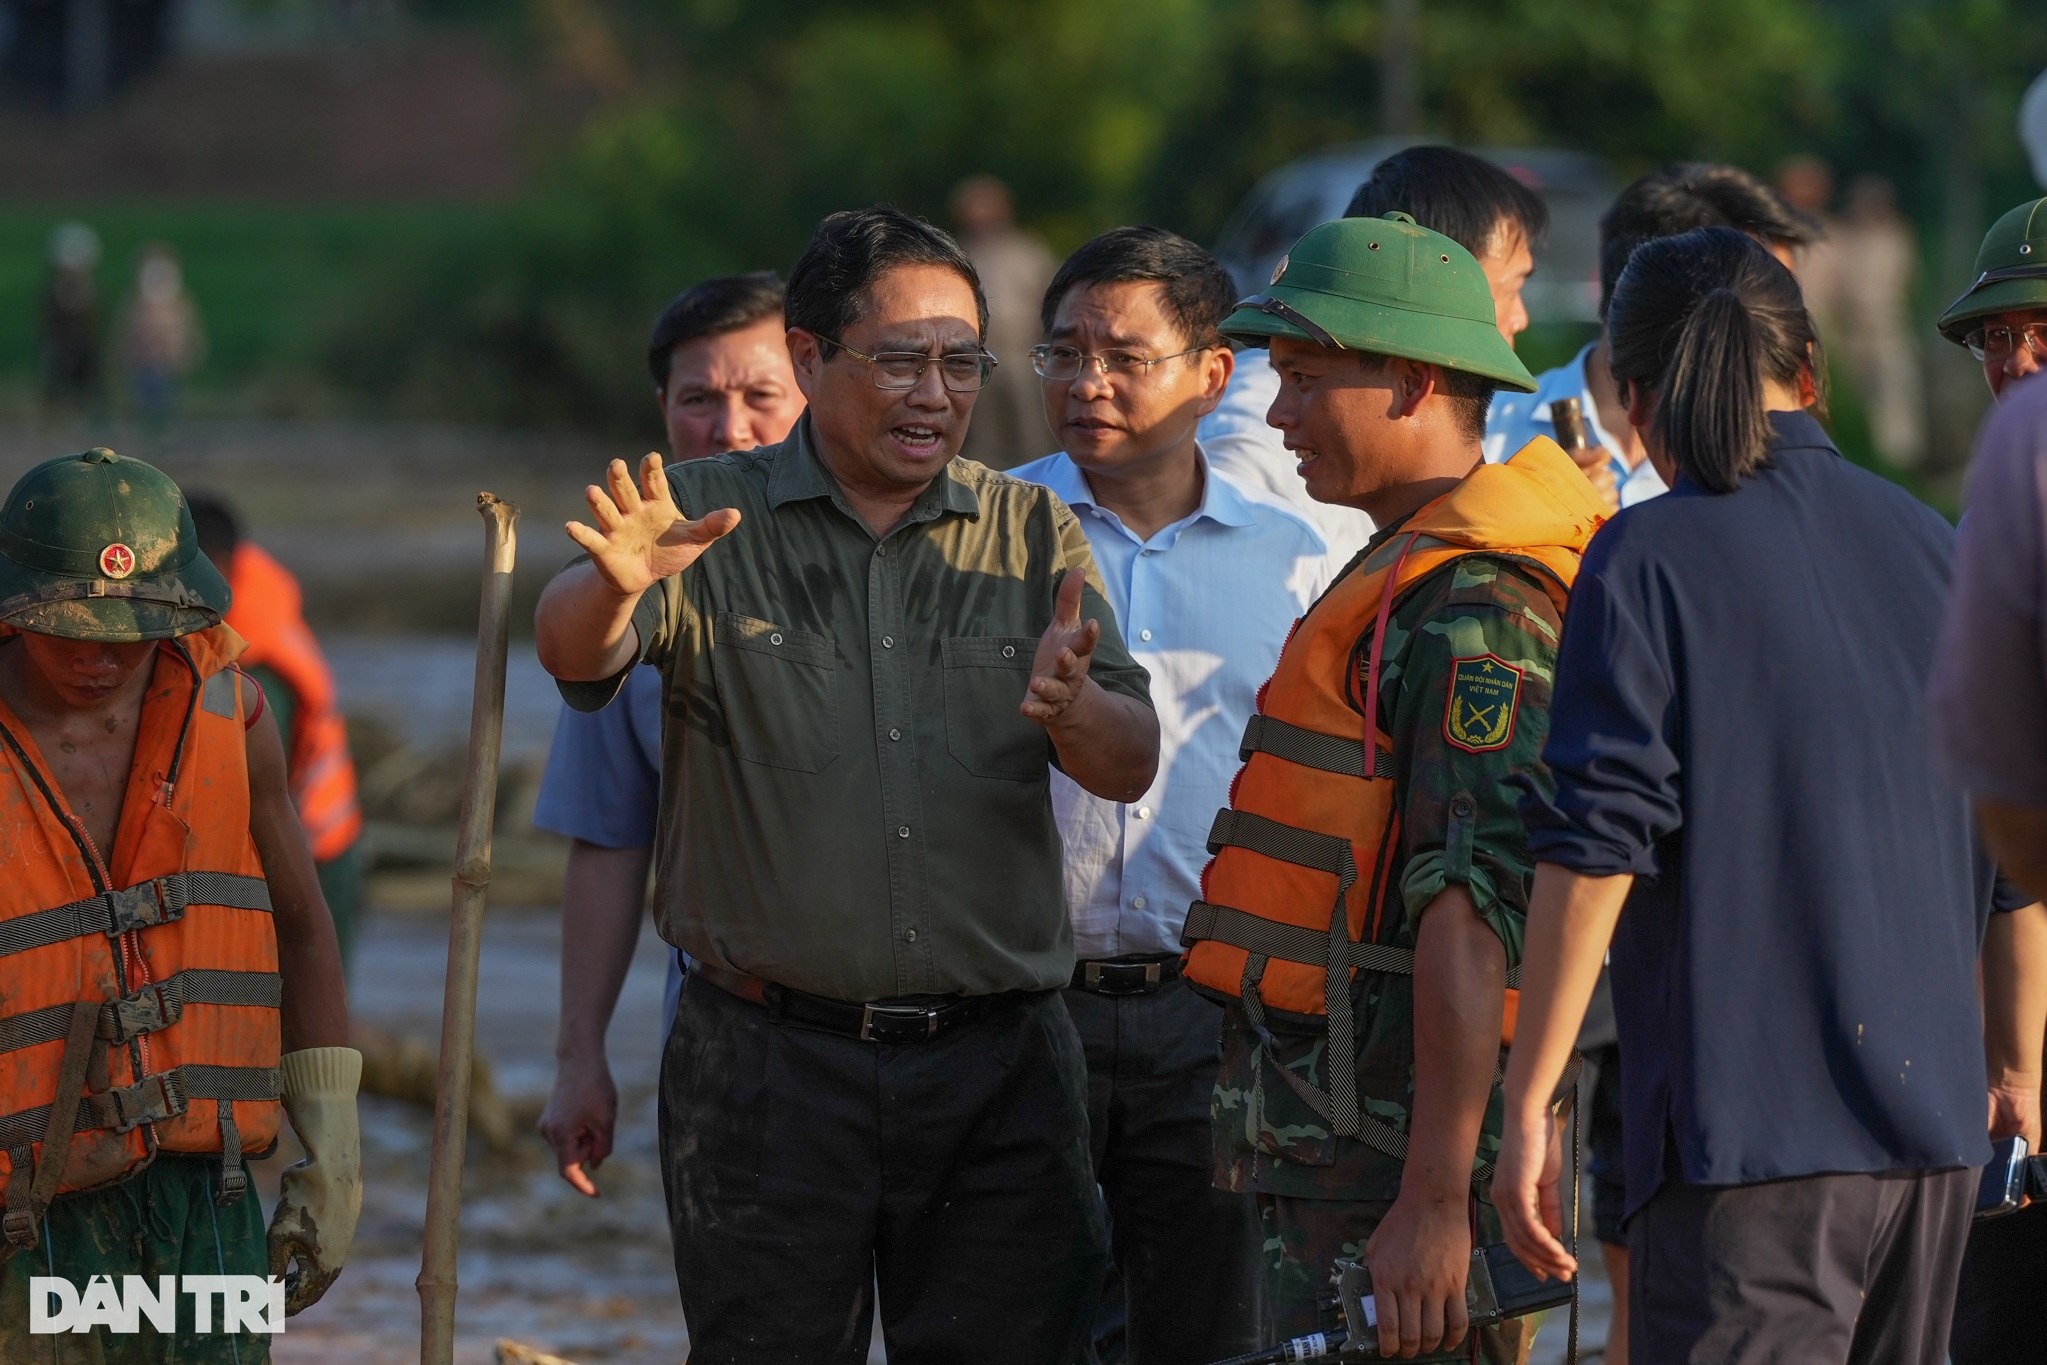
[753, 118]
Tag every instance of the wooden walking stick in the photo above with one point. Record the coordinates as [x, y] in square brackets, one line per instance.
[465, 937]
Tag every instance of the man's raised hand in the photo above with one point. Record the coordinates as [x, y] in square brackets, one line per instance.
[640, 536]
[1059, 670]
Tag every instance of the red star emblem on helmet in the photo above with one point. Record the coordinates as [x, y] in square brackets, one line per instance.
[117, 560]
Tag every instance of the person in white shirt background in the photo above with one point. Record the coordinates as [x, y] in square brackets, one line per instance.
[1468, 199]
[1206, 580]
[1673, 199]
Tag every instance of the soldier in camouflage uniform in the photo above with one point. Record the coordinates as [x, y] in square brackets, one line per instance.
[1463, 656]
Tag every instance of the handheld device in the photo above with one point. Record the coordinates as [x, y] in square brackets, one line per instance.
[1568, 419]
[2004, 1180]
[1497, 1287]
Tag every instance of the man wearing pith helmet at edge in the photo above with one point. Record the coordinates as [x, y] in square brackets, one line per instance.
[1374, 823]
[170, 986]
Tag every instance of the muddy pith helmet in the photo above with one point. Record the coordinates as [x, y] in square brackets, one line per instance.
[95, 547]
[1387, 286]
[2011, 272]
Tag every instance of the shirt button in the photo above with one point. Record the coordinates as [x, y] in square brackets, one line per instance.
[881, 549]
[888, 642]
[894, 733]
[910, 934]
[1009, 651]
[1461, 808]
[1137, 903]
[775, 639]
[1144, 812]
[1144, 635]
[902, 831]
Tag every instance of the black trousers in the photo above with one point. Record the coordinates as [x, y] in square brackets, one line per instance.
[1829, 1268]
[1997, 1313]
[803, 1168]
[1187, 1254]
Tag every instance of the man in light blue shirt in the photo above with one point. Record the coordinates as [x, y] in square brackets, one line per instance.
[722, 376]
[1206, 579]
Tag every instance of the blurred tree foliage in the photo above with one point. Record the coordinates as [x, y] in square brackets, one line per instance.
[728, 127]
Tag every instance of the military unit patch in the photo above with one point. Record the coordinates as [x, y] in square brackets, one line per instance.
[1484, 692]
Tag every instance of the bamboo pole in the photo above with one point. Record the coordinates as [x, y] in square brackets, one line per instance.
[436, 1281]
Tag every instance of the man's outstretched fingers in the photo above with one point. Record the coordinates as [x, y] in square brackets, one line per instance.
[1066, 610]
[653, 486]
[575, 1175]
[624, 492]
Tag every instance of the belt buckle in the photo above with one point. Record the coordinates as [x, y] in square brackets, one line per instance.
[1115, 978]
[887, 1015]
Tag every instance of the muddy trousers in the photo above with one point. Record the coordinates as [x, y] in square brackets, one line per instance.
[1820, 1270]
[1187, 1254]
[162, 1221]
[804, 1168]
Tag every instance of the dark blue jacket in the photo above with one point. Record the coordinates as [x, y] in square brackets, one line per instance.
[1739, 721]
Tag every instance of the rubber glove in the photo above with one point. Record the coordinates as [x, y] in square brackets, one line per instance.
[320, 1197]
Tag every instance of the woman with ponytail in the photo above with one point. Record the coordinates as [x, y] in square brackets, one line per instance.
[1745, 810]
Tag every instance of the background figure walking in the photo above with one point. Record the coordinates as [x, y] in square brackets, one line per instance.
[161, 337]
[71, 319]
[1014, 266]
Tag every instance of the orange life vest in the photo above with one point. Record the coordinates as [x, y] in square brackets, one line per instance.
[267, 613]
[138, 985]
[1294, 896]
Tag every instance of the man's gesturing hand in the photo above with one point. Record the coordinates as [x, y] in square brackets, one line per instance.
[581, 1115]
[641, 537]
[1059, 670]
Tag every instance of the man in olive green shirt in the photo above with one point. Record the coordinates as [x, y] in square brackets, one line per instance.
[872, 1076]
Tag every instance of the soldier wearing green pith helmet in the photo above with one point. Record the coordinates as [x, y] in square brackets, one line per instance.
[2002, 316]
[1362, 915]
[169, 980]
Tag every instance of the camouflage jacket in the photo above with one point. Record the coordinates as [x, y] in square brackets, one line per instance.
[1267, 1139]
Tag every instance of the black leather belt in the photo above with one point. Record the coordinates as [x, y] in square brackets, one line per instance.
[908, 1021]
[1133, 975]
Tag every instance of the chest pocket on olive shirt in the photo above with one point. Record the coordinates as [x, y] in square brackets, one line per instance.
[779, 691]
[986, 677]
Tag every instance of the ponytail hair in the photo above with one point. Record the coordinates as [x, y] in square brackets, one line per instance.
[1704, 320]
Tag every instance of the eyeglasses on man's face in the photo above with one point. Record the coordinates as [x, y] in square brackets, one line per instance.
[961, 371]
[1066, 362]
[1999, 341]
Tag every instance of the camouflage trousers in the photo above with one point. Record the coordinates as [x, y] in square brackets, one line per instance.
[162, 1221]
[1305, 1237]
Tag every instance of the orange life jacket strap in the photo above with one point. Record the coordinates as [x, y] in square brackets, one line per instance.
[153, 1099]
[156, 1006]
[159, 900]
[1311, 749]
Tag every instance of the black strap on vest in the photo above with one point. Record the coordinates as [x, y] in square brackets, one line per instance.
[1306, 748]
[155, 1006]
[153, 1099]
[28, 1196]
[159, 900]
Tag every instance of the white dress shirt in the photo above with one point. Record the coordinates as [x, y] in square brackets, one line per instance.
[1246, 450]
[1205, 605]
[1518, 418]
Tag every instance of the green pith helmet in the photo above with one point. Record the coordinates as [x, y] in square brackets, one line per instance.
[2011, 272]
[1387, 286]
[95, 547]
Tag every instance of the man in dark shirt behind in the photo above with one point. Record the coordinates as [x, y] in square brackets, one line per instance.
[872, 1076]
[1742, 756]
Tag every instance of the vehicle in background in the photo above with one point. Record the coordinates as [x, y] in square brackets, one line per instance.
[1576, 186]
